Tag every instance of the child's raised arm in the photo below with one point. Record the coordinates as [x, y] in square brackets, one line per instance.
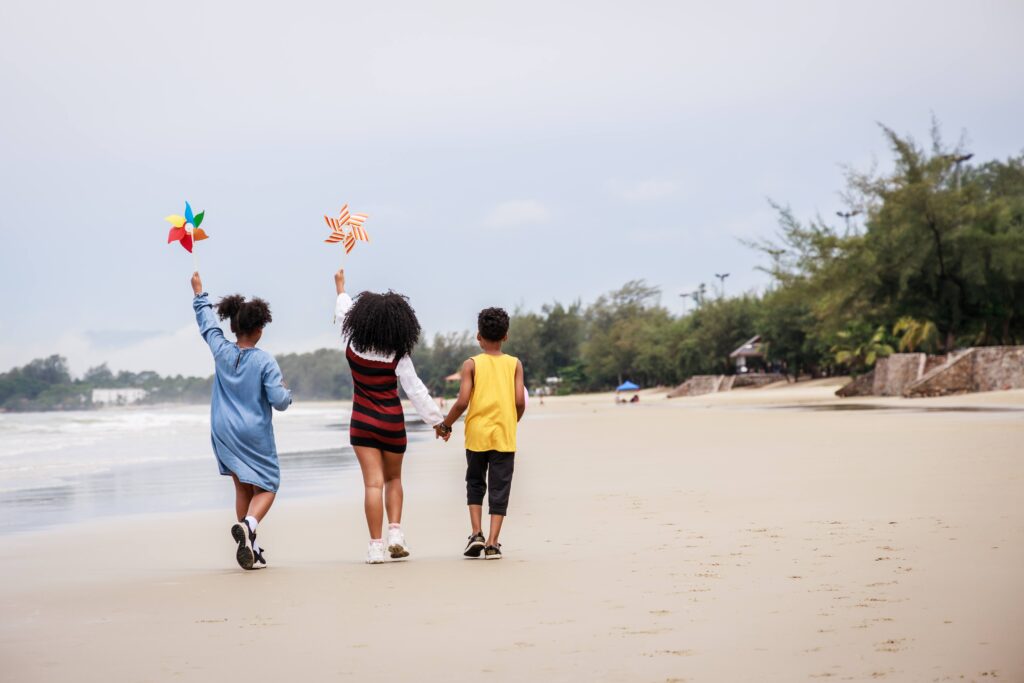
[205, 317]
[344, 301]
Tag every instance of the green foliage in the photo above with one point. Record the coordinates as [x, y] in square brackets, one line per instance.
[942, 242]
[441, 358]
[916, 335]
[46, 384]
[859, 347]
[322, 374]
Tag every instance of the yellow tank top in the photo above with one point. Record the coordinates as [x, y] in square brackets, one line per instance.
[492, 418]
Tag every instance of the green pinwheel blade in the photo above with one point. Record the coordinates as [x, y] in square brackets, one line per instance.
[198, 219]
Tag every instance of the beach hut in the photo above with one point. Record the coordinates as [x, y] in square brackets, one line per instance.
[751, 350]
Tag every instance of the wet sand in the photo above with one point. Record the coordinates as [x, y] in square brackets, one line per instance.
[749, 536]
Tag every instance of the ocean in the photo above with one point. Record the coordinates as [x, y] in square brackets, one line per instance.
[62, 467]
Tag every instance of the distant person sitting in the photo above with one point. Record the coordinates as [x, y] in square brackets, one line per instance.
[635, 399]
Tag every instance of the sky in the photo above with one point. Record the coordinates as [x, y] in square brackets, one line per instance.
[508, 154]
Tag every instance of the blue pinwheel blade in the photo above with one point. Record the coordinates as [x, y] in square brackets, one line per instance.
[188, 214]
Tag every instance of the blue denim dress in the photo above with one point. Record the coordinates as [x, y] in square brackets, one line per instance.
[246, 385]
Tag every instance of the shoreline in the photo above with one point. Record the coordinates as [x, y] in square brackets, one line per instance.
[700, 539]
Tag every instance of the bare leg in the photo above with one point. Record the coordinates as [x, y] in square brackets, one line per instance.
[475, 513]
[243, 497]
[393, 493]
[261, 502]
[371, 462]
[492, 536]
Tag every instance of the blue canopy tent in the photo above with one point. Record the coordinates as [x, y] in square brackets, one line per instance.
[627, 386]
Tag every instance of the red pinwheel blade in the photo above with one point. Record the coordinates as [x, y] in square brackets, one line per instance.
[186, 242]
[176, 234]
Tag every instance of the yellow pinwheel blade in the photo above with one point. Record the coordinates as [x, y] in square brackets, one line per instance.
[176, 221]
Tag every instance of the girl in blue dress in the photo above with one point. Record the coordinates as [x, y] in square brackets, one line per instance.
[247, 383]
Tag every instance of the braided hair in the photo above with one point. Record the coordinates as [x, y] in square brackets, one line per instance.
[246, 316]
[382, 323]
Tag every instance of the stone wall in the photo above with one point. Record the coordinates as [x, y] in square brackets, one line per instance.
[858, 386]
[895, 373]
[755, 380]
[998, 368]
[986, 368]
[952, 377]
[698, 385]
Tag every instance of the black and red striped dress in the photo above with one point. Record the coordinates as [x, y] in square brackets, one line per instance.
[377, 417]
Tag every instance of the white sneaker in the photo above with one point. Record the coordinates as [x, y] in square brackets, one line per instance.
[396, 544]
[375, 552]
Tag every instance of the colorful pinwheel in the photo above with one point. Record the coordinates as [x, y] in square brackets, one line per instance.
[355, 230]
[186, 228]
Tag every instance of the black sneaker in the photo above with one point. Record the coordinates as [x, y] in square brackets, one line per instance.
[244, 556]
[258, 561]
[475, 545]
[492, 552]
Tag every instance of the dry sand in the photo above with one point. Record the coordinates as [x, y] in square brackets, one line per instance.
[715, 538]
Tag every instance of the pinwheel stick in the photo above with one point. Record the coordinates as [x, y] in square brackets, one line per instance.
[195, 258]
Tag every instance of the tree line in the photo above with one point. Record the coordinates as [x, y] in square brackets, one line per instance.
[927, 256]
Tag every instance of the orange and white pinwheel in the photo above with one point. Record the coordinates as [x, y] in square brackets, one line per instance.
[347, 228]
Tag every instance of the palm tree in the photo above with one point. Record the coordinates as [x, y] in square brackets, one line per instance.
[916, 334]
[859, 351]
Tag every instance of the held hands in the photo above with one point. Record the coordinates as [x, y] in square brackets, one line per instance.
[442, 431]
[339, 281]
[197, 284]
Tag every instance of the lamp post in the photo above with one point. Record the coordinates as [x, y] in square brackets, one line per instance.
[721, 286]
[685, 296]
[957, 160]
[847, 215]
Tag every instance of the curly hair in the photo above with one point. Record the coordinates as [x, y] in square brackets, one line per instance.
[246, 316]
[382, 323]
[492, 323]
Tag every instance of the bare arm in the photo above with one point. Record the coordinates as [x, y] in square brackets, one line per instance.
[465, 391]
[520, 392]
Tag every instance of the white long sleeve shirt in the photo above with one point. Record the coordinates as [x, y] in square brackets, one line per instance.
[406, 372]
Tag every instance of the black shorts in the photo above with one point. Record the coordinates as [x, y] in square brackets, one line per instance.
[489, 472]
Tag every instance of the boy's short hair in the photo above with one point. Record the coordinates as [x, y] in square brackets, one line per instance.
[492, 323]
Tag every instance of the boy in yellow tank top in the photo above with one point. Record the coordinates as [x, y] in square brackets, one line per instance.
[492, 389]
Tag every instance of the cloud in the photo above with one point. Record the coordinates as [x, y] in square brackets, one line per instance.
[517, 212]
[648, 190]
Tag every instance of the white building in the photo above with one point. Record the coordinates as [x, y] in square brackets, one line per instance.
[117, 397]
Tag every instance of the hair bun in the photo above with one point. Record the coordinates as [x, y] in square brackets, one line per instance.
[229, 306]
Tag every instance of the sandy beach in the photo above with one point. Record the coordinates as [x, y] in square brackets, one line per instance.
[748, 536]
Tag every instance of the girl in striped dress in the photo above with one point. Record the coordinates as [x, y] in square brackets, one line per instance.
[378, 333]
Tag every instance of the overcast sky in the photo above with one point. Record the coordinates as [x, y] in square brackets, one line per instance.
[508, 153]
